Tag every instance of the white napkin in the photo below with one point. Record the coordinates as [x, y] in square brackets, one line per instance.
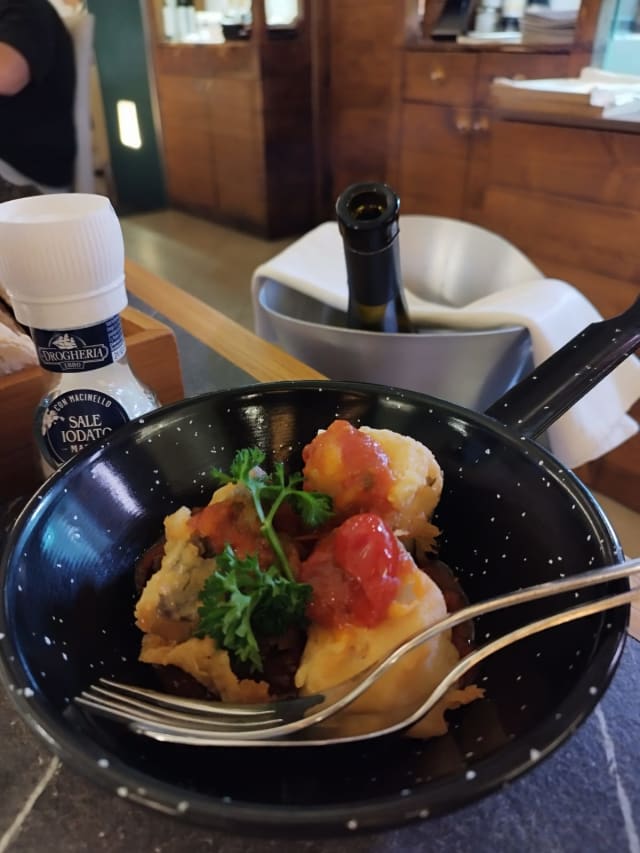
[498, 287]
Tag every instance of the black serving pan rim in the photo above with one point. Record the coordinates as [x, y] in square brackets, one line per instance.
[83, 754]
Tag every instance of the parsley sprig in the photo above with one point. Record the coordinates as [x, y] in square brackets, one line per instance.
[240, 601]
[270, 492]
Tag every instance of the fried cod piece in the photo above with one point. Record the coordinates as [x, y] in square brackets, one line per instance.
[417, 485]
[209, 665]
[336, 653]
[377, 470]
[167, 611]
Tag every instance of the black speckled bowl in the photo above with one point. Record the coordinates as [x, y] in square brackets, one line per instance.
[511, 516]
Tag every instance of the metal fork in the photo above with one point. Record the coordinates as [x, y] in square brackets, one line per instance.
[287, 722]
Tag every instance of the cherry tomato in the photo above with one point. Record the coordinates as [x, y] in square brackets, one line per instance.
[353, 572]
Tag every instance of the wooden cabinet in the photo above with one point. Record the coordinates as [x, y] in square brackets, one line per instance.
[570, 198]
[237, 136]
[444, 125]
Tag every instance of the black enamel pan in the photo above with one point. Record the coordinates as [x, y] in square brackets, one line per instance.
[511, 516]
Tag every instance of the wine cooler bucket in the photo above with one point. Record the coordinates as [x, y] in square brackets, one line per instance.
[445, 261]
[469, 367]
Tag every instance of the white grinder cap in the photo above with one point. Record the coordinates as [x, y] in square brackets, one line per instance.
[62, 260]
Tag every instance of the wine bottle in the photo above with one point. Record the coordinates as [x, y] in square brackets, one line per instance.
[368, 220]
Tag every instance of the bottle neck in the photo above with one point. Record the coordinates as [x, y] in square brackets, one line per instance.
[368, 219]
[73, 351]
[376, 300]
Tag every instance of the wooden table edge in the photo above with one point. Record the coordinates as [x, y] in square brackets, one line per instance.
[264, 361]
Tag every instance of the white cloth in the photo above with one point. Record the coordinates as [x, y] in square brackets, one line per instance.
[552, 310]
[81, 27]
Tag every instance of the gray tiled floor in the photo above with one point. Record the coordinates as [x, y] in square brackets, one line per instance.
[215, 264]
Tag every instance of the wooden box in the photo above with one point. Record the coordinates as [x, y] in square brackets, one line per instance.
[153, 355]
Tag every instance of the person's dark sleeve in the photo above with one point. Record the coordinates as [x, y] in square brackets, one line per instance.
[27, 27]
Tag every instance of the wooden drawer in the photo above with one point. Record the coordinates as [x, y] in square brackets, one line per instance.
[517, 66]
[439, 78]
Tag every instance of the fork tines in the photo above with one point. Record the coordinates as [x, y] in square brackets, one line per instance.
[141, 707]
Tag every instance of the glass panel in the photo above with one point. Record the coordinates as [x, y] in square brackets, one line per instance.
[622, 52]
[204, 21]
[281, 13]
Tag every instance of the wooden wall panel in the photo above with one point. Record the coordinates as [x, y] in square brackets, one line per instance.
[189, 165]
[354, 84]
[361, 57]
[609, 294]
[241, 190]
[358, 146]
[579, 163]
[234, 107]
[593, 237]
[355, 23]
[183, 104]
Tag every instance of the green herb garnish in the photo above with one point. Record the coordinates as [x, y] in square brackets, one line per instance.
[240, 601]
[268, 494]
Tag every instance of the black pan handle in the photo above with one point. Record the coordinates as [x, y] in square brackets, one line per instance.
[532, 405]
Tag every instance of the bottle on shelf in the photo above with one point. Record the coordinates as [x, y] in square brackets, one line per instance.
[512, 12]
[186, 23]
[367, 216]
[170, 19]
[62, 264]
[487, 16]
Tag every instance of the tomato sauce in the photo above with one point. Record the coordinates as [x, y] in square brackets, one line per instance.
[354, 573]
[230, 522]
[351, 467]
